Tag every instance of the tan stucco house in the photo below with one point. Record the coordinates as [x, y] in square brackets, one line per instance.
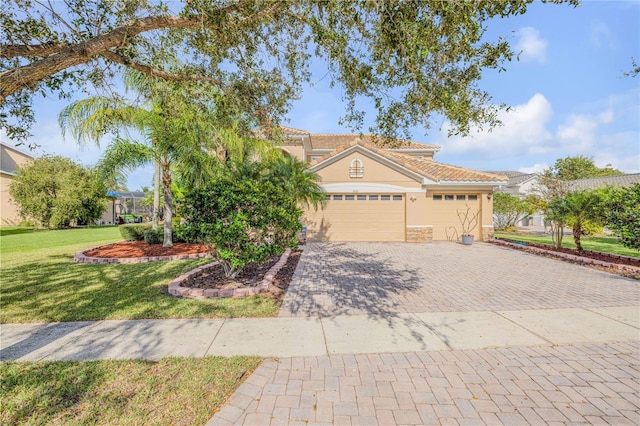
[391, 193]
[10, 159]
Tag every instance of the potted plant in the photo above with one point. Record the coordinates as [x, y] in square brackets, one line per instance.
[469, 222]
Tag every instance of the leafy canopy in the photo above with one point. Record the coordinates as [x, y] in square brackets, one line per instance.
[58, 192]
[412, 59]
[578, 167]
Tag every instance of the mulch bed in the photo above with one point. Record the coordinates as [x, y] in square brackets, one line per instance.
[585, 257]
[213, 277]
[596, 255]
[132, 249]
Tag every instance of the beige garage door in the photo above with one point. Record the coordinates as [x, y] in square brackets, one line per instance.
[358, 217]
[444, 214]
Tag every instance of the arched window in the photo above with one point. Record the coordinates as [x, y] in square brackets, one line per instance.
[356, 170]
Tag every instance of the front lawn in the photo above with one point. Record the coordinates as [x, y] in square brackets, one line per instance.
[602, 244]
[41, 283]
[170, 391]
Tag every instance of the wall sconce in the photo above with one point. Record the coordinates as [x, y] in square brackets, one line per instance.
[489, 195]
[413, 198]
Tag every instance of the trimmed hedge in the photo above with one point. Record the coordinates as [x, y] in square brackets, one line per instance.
[134, 231]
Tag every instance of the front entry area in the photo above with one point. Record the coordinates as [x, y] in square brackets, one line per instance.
[358, 217]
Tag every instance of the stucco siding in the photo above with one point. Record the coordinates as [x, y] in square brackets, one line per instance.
[373, 172]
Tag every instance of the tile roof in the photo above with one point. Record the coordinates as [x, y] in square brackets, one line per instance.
[293, 131]
[438, 172]
[508, 173]
[336, 140]
[594, 183]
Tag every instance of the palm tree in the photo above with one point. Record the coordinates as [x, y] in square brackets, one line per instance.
[177, 129]
[302, 184]
[577, 208]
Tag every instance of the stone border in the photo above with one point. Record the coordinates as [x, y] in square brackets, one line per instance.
[200, 293]
[80, 257]
[567, 256]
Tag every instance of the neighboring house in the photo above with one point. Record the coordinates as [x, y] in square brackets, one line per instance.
[10, 160]
[391, 193]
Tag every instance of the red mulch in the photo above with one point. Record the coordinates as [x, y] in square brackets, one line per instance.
[128, 249]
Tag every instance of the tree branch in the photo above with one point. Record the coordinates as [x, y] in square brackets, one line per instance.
[8, 51]
[114, 57]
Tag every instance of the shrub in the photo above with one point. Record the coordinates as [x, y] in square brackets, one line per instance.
[243, 222]
[152, 236]
[134, 231]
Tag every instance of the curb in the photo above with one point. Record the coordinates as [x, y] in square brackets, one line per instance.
[200, 293]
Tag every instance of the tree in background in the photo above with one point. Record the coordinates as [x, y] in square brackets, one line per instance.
[58, 192]
[578, 167]
[509, 209]
[623, 215]
[429, 54]
[554, 184]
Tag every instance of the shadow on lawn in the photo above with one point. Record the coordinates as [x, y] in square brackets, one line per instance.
[55, 289]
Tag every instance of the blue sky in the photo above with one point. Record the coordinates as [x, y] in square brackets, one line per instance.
[567, 92]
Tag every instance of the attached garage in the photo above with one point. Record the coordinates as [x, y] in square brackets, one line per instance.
[358, 217]
[443, 214]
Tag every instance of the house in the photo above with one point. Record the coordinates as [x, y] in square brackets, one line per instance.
[11, 159]
[395, 191]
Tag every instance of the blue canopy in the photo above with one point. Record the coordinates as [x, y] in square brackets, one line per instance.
[112, 194]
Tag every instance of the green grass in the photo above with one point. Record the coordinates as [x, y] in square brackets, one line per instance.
[602, 244]
[170, 391]
[41, 283]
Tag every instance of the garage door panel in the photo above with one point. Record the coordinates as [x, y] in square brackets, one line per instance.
[357, 220]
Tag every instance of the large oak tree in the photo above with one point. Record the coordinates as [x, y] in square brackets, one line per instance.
[413, 58]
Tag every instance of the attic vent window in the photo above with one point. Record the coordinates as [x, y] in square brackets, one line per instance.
[356, 170]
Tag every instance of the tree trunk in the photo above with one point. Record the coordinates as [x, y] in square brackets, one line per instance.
[156, 194]
[168, 205]
[577, 234]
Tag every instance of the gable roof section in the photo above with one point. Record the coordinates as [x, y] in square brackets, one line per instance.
[427, 169]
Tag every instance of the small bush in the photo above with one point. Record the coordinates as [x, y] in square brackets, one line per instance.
[134, 231]
[152, 236]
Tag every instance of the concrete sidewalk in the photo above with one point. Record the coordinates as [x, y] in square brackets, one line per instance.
[305, 337]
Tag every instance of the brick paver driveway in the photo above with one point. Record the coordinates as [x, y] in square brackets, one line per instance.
[385, 278]
[596, 383]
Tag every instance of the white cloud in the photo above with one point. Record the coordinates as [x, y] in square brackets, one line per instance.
[601, 35]
[523, 131]
[532, 46]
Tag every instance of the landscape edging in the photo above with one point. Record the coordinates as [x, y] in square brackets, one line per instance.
[583, 260]
[175, 289]
[81, 257]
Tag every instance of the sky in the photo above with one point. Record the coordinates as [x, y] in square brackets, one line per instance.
[567, 92]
